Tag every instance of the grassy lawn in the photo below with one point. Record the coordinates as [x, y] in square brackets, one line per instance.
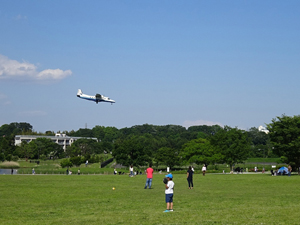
[216, 199]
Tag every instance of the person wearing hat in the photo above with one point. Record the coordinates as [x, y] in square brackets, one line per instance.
[169, 191]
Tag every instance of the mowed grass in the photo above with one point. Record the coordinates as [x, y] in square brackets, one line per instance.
[89, 199]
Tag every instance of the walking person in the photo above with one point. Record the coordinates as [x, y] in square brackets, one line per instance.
[149, 172]
[131, 170]
[190, 177]
[203, 169]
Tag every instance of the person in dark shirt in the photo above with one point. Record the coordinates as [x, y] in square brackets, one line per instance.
[190, 177]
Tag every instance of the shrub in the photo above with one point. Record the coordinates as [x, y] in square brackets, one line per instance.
[43, 157]
[9, 165]
[66, 163]
[76, 160]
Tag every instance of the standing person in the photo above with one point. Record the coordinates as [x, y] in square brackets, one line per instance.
[203, 169]
[33, 172]
[190, 177]
[290, 170]
[131, 171]
[149, 172]
[78, 172]
[255, 169]
[169, 191]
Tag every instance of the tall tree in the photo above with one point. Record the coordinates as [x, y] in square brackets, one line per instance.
[261, 146]
[25, 150]
[167, 156]
[15, 128]
[200, 151]
[233, 144]
[46, 147]
[284, 133]
[133, 150]
[83, 147]
[6, 145]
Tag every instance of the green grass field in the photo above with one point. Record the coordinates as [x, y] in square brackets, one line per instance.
[89, 199]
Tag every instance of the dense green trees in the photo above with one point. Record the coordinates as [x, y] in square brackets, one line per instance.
[45, 147]
[227, 145]
[83, 147]
[200, 151]
[169, 145]
[285, 138]
[41, 148]
[7, 147]
[203, 131]
[15, 128]
[135, 150]
[167, 156]
[233, 144]
[260, 144]
[7, 134]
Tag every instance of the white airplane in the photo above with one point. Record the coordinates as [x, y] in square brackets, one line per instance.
[97, 98]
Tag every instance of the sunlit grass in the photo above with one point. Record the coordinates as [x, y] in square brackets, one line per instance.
[216, 199]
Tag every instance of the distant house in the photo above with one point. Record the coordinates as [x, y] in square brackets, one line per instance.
[263, 129]
[61, 139]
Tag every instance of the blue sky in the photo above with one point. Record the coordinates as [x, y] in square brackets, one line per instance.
[187, 63]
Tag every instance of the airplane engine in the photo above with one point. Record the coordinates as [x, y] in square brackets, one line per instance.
[98, 96]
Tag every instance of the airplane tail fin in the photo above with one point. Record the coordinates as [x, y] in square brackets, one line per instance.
[79, 92]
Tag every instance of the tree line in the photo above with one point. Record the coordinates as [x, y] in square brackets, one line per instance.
[170, 145]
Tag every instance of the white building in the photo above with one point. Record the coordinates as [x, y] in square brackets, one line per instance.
[263, 129]
[61, 139]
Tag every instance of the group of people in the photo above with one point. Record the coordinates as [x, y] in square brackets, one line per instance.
[169, 185]
[134, 173]
[69, 172]
[282, 172]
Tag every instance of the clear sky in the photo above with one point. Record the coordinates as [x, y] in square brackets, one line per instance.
[186, 63]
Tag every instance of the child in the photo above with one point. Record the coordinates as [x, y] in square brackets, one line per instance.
[169, 193]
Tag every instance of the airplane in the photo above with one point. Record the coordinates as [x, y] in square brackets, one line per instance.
[97, 98]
